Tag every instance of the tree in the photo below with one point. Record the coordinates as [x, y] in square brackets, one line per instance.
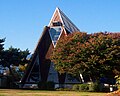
[1, 47]
[14, 57]
[94, 54]
[102, 55]
[65, 55]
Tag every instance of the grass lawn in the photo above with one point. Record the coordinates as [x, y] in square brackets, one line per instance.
[14, 92]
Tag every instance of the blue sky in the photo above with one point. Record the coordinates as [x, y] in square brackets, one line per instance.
[22, 21]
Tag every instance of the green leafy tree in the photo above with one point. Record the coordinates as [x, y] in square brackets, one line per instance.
[1, 48]
[14, 57]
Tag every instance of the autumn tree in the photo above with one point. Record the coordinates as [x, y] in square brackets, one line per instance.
[65, 53]
[95, 54]
[102, 53]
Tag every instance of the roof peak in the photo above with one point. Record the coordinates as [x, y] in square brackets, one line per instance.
[61, 17]
[57, 8]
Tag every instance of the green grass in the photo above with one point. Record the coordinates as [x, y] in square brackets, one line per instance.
[14, 92]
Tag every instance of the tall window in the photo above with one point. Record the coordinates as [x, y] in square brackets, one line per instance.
[55, 33]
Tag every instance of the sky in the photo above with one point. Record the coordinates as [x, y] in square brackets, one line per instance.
[22, 21]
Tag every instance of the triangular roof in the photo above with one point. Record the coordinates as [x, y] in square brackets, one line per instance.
[50, 35]
[66, 22]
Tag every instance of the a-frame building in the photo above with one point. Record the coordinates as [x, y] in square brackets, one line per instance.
[41, 68]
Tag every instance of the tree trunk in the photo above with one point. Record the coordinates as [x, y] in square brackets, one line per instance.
[11, 73]
[81, 77]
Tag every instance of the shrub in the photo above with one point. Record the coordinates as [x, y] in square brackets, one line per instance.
[80, 87]
[83, 87]
[50, 85]
[94, 87]
[46, 85]
[75, 87]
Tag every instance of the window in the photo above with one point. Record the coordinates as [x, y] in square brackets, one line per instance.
[57, 23]
[54, 34]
